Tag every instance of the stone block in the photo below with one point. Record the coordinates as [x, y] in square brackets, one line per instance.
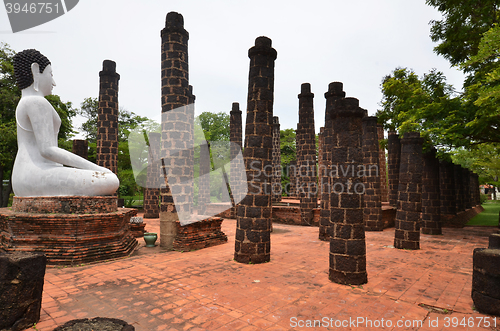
[21, 286]
[486, 280]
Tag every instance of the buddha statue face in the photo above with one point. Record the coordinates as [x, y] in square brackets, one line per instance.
[43, 82]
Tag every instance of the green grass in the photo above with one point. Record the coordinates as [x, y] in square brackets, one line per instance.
[489, 217]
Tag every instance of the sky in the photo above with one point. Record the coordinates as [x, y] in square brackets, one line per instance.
[356, 42]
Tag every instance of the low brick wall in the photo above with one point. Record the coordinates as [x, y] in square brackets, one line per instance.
[291, 215]
[459, 220]
[199, 235]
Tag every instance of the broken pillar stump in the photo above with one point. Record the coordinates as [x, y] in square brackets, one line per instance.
[21, 286]
[486, 277]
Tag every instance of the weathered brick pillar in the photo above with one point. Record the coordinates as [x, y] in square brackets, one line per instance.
[154, 178]
[471, 188]
[384, 191]
[475, 189]
[393, 164]
[486, 277]
[447, 191]
[467, 192]
[204, 179]
[253, 241]
[175, 94]
[306, 157]
[347, 242]
[321, 142]
[407, 235]
[276, 180]
[335, 92]
[431, 202]
[236, 138]
[372, 204]
[291, 170]
[459, 187]
[81, 148]
[107, 118]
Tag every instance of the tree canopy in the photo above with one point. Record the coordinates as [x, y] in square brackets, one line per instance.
[215, 125]
[463, 24]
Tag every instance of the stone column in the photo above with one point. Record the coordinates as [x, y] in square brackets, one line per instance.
[236, 138]
[486, 277]
[204, 179]
[393, 164]
[335, 92]
[321, 143]
[276, 180]
[175, 94]
[459, 188]
[472, 179]
[347, 242]
[306, 157]
[292, 175]
[467, 192]
[253, 229]
[475, 189]
[81, 148]
[107, 118]
[384, 191]
[407, 235]
[431, 202]
[447, 191]
[154, 178]
[371, 179]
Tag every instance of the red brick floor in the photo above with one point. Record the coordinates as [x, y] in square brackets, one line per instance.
[207, 290]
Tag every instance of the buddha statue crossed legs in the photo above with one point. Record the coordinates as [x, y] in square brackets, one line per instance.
[42, 168]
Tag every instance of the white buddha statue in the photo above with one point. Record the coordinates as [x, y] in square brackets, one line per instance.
[42, 168]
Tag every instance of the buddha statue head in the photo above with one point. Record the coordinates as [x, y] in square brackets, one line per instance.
[31, 66]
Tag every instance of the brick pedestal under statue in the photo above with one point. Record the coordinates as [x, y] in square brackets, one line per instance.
[68, 230]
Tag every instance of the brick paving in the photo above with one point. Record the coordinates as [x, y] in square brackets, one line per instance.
[207, 290]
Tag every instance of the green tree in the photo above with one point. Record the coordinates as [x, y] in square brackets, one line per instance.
[89, 109]
[288, 153]
[215, 128]
[427, 104]
[215, 125]
[462, 26]
[482, 96]
[9, 97]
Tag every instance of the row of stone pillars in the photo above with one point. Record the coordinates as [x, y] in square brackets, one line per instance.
[420, 183]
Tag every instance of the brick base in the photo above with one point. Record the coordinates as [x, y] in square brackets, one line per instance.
[65, 205]
[199, 235]
[68, 239]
